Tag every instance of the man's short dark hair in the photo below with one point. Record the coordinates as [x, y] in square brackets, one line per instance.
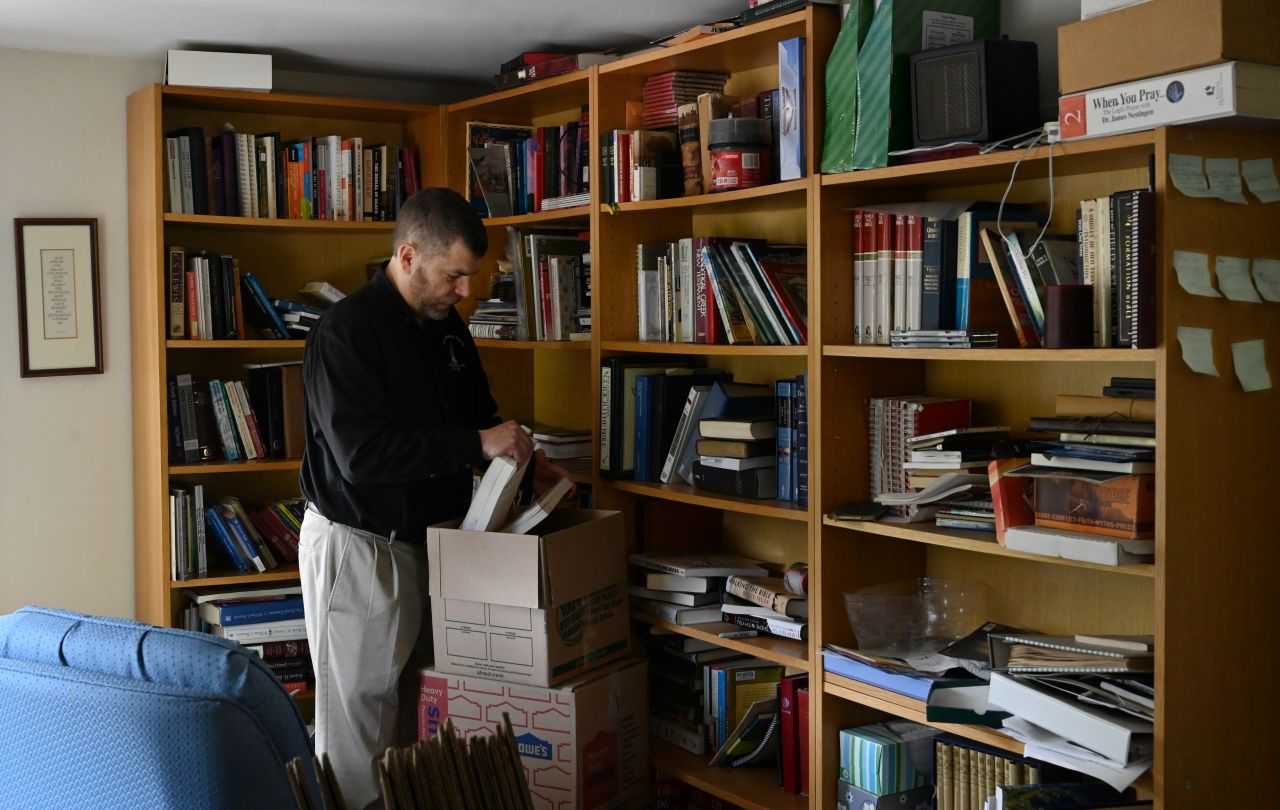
[434, 218]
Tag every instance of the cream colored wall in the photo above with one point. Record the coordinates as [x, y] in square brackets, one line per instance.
[66, 502]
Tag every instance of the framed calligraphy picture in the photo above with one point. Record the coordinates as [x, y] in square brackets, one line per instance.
[59, 304]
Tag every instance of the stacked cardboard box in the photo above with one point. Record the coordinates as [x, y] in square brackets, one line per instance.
[535, 626]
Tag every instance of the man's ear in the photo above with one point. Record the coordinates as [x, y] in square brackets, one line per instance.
[404, 255]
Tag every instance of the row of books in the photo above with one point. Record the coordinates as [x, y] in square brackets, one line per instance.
[325, 178]
[230, 420]
[541, 291]
[202, 530]
[530, 66]
[210, 299]
[674, 422]
[515, 169]
[720, 290]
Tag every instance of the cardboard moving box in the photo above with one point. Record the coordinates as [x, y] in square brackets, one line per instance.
[1165, 36]
[583, 744]
[526, 608]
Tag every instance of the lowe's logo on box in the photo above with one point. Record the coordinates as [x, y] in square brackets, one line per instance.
[532, 747]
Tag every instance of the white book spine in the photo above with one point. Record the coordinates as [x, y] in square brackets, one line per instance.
[222, 416]
[269, 144]
[685, 284]
[244, 170]
[681, 438]
[184, 160]
[884, 284]
[242, 426]
[358, 167]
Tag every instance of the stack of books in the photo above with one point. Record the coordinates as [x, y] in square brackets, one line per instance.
[565, 447]
[267, 621]
[766, 605]
[1094, 485]
[686, 589]
[893, 422]
[943, 339]
[749, 466]
[665, 92]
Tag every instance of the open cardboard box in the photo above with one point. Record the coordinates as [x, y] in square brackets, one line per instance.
[535, 609]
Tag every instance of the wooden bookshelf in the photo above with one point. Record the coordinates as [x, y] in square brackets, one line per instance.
[577, 215]
[283, 254]
[723, 198]
[683, 493]
[978, 543]
[536, 345]
[749, 788]
[784, 651]
[702, 349]
[994, 355]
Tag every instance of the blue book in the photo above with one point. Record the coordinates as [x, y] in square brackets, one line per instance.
[801, 433]
[285, 305]
[976, 290]
[263, 305]
[234, 613]
[240, 536]
[785, 395]
[223, 537]
[907, 682]
[644, 415]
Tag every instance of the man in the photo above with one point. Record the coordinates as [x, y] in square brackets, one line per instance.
[398, 413]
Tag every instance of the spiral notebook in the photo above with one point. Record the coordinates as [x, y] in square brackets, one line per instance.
[1031, 654]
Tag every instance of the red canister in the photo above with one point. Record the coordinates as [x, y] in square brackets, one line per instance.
[739, 149]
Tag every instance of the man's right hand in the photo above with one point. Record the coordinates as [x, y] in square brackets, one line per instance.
[507, 439]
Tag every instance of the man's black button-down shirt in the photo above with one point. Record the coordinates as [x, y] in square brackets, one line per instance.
[392, 414]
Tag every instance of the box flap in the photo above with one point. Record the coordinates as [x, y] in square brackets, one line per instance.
[583, 553]
[484, 566]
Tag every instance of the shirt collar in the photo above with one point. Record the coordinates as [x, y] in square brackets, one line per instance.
[382, 282]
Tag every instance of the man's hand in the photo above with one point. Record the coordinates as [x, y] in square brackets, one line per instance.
[507, 439]
[546, 474]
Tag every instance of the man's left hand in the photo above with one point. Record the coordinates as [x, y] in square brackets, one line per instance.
[546, 474]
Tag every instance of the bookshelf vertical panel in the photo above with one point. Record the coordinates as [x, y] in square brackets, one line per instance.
[778, 542]
[147, 327]
[561, 392]
[426, 132]
[1216, 537]
[828, 714]
[821, 30]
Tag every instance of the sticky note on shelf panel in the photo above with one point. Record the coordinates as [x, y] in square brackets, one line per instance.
[1193, 273]
[1260, 174]
[1233, 279]
[1187, 174]
[1224, 179]
[1266, 277]
[1250, 360]
[1197, 349]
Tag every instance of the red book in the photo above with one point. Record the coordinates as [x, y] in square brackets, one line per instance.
[623, 162]
[1010, 495]
[790, 730]
[802, 710]
[544, 272]
[193, 307]
[706, 319]
[270, 527]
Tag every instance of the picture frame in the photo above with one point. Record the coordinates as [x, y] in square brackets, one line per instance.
[59, 297]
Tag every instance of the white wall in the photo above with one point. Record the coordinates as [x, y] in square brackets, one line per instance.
[66, 494]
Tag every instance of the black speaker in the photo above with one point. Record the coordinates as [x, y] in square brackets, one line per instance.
[979, 91]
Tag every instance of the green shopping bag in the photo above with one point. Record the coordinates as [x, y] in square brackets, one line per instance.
[899, 29]
[842, 89]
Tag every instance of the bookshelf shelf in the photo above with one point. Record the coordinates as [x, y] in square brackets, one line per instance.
[995, 355]
[1099, 154]
[536, 345]
[568, 216]
[910, 709]
[740, 350]
[277, 225]
[732, 51]
[722, 199]
[216, 467]
[234, 344]
[527, 101]
[977, 542]
[243, 101]
[684, 493]
[287, 572]
[784, 651]
[749, 788]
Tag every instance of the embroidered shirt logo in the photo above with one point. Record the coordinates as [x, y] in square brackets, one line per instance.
[454, 344]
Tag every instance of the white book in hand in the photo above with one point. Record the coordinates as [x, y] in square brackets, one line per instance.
[492, 502]
[538, 511]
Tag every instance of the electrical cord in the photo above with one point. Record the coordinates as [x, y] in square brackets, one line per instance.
[1032, 142]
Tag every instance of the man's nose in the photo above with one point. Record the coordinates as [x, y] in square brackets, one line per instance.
[463, 287]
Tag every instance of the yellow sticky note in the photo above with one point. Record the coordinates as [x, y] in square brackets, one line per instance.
[1250, 360]
[1193, 273]
[1233, 279]
[1260, 174]
[1266, 277]
[1224, 179]
[1197, 349]
[1187, 174]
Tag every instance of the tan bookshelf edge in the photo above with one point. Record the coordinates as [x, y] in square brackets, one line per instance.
[566, 216]
[249, 343]
[265, 224]
[285, 573]
[994, 355]
[710, 201]
[684, 493]
[535, 345]
[749, 788]
[976, 542]
[739, 349]
[777, 650]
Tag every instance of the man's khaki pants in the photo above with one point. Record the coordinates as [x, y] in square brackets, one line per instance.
[365, 598]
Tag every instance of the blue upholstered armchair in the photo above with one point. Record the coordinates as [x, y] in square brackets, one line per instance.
[107, 713]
